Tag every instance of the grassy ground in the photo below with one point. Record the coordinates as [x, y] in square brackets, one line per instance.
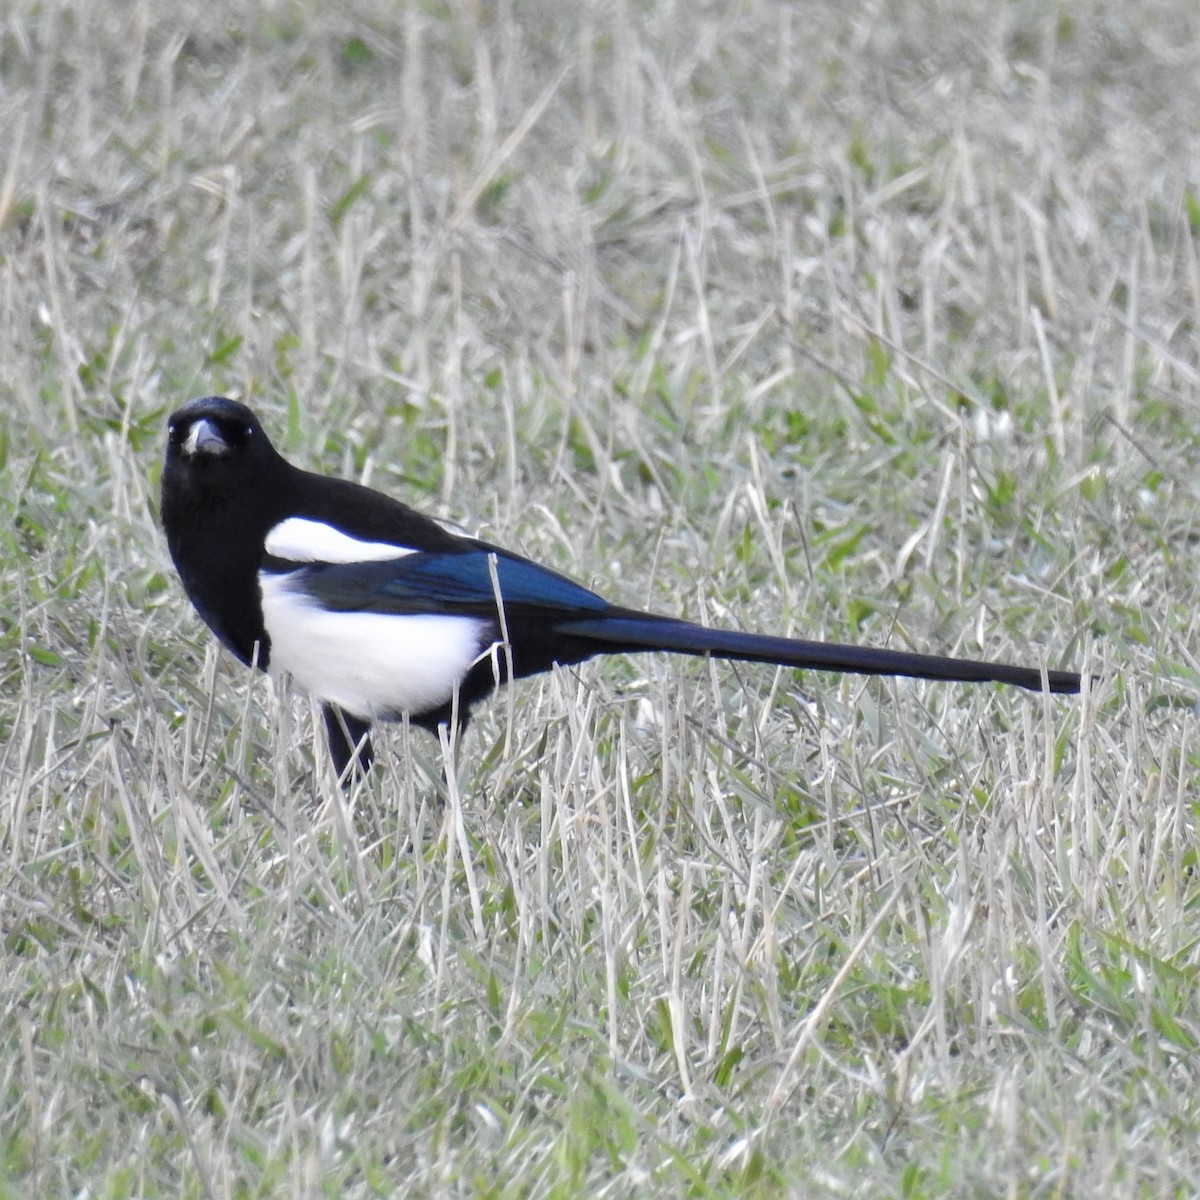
[876, 324]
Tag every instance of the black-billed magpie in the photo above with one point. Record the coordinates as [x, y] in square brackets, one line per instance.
[380, 612]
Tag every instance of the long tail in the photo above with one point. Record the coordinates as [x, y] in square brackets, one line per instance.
[634, 633]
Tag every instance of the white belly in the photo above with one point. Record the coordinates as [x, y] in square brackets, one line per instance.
[370, 664]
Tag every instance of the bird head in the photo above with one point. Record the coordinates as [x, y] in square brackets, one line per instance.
[219, 459]
[212, 431]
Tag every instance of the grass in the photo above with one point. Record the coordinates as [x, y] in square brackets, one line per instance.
[873, 325]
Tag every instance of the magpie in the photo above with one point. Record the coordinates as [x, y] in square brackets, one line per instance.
[381, 613]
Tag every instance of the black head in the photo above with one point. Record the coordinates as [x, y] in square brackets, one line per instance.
[216, 435]
[218, 456]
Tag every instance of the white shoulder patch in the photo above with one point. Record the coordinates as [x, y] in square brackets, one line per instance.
[300, 540]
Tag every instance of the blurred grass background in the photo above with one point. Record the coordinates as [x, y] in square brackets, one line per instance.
[876, 324]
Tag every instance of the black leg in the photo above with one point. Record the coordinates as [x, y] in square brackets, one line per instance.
[345, 733]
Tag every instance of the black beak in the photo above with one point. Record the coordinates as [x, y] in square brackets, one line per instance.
[204, 438]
